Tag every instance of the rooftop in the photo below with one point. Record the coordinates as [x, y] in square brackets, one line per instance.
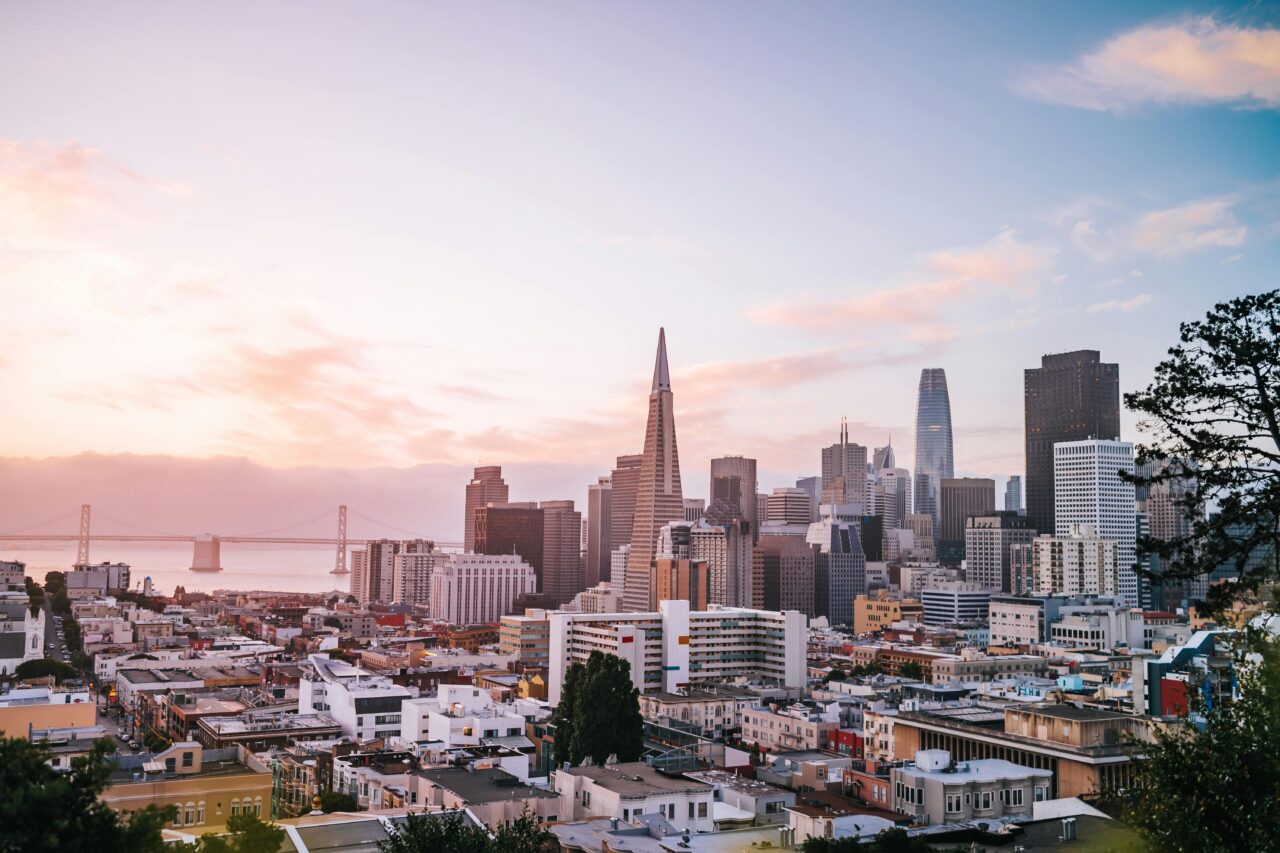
[1071, 712]
[636, 779]
[483, 786]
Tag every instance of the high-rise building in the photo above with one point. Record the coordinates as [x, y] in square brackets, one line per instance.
[960, 498]
[987, 540]
[473, 589]
[783, 574]
[1013, 494]
[935, 461]
[1167, 519]
[762, 512]
[733, 481]
[694, 509]
[486, 487]
[622, 509]
[789, 506]
[563, 571]
[840, 567]
[812, 486]
[722, 539]
[373, 571]
[844, 472]
[924, 539]
[658, 495]
[1077, 563]
[412, 572]
[684, 580]
[511, 528]
[1072, 396]
[1089, 489]
[599, 530]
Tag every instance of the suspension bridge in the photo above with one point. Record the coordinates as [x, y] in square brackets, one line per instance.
[207, 553]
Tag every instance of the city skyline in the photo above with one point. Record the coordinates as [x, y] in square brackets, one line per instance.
[150, 314]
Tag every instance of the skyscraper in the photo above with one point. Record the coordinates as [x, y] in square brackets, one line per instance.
[733, 480]
[844, 471]
[658, 495]
[599, 530]
[840, 566]
[486, 487]
[1072, 396]
[563, 574]
[987, 542]
[1090, 491]
[1013, 494]
[935, 461]
[511, 528]
[958, 499]
[622, 509]
[812, 486]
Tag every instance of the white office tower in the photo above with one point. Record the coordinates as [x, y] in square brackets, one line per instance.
[1080, 563]
[412, 575]
[473, 589]
[1088, 490]
[673, 647]
[789, 506]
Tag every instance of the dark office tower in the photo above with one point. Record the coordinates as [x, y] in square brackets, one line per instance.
[844, 471]
[486, 487]
[514, 528]
[622, 509]
[1013, 494]
[872, 529]
[1071, 396]
[563, 573]
[782, 575]
[934, 456]
[733, 480]
[599, 530]
[658, 496]
[840, 568]
[959, 499]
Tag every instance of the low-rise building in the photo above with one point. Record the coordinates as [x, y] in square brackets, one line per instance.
[626, 791]
[259, 732]
[493, 795]
[872, 613]
[364, 704]
[24, 709]
[936, 789]
[756, 803]
[526, 637]
[715, 710]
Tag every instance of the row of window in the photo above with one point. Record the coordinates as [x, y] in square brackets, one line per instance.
[193, 813]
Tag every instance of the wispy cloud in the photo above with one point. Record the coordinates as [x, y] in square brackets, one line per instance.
[1130, 304]
[1165, 233]
[1005, 264]
[1197, 60]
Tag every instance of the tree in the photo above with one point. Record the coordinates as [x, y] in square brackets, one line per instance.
[44, 810]
[837, 674]
[522, 835]
[41, 667]
[1215, 789]
[445, 833]
[1213, 414]
[246, 833]
[565, 714]
[911, 669]
[337, 801]
[606, 713]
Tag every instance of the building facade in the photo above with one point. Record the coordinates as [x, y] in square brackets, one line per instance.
[987, 540]
[1089, 489]
[935, 459]
[486, 487]
[479, 588]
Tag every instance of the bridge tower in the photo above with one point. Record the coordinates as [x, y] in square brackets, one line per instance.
[82, 548]
[340, 562]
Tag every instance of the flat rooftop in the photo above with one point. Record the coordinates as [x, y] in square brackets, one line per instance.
[980, 770]
[636, 779]
[1071, 712]
[276, 723]
[735, 782]
[483, 786]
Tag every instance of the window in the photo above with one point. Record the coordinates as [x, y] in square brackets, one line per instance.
[200, 812]
[984, 800]
[190, 813]
[953, 803]
[702, 809]
[586, 798]
[690, 809]
[1041, 792]
[1015, 797]
[187, 758]
[773, 808]
[235, 807]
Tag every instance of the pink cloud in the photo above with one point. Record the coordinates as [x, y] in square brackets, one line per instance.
[1192, 61]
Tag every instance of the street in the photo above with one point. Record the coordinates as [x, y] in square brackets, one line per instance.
[54, 639]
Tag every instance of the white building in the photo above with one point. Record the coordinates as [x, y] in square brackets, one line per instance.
[366, 705]
[936, 790]
[21, 632]
[473, 589]
[411, 573]
[626, 791]
[97, 580]
[954, 601]
[458, 716]
[1088, 489]
[1079, 563]
[601, 598]
[1020, 620]
[1098, 625]
[674, 647]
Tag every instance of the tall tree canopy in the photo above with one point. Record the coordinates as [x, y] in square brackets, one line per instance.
[44, 810]
[453, 833]
[599, 712]
[1213, 416]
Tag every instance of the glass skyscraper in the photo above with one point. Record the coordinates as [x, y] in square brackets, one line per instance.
[934, 459]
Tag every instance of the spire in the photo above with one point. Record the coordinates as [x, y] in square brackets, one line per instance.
[661, 376]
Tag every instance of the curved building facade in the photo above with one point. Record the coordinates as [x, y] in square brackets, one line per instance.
[934, 459]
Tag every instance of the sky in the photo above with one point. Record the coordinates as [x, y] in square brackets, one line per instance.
[390, 241]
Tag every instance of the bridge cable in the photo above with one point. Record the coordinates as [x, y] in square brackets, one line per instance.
[68, 514]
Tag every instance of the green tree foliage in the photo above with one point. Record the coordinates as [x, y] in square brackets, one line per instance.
[44, 810]
[1213, 416]
[42, 667]
[565, 715]
[911, 669]
[837, 674]
[872, 668]
[605, 710]
[454, 833]
[337, 801]
[1216, 789]
[890, 841]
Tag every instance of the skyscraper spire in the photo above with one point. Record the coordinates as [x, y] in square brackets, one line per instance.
[661, 375]
[659, 499]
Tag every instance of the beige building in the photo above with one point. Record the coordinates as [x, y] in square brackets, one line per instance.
[871, 613]
[1080, 563]
[206, 786]
[493, 795]
[526, 637]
